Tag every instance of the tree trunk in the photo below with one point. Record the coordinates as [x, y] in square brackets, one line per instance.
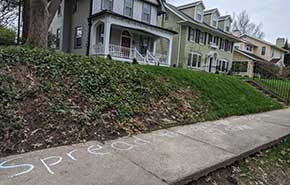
[52, 9]
[25, 19]
[38, 27]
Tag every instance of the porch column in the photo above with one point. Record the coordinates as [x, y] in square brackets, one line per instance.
[107, 32]
[154, 47]
[170, 50]
[93, 40]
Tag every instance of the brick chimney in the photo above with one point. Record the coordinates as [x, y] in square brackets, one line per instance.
[280, 42]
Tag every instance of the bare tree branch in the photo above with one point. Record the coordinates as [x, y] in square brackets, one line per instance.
[243, 24]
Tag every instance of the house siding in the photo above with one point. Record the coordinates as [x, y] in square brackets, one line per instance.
[186, 46]
[80, 18]
[118, 7]
[257, 51]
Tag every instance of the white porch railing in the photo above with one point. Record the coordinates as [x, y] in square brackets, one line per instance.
[121, 52]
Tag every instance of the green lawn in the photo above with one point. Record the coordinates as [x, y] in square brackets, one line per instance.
[279, 87]
[49, 98]
[225, 95]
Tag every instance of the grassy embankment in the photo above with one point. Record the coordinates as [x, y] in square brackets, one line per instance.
[49, 99]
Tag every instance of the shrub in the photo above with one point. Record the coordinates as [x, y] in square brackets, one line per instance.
[52, 40]
[266, 69]
[7, 36]
[109, 57]
[135, 61]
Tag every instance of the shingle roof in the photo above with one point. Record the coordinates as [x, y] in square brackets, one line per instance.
[191, 5]
[211, 11]
[222, 18]
[250, 55]
[191, 20]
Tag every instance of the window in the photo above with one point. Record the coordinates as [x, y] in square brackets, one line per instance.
[59, 10]
[194, 60]
[240, 67]
[282, 55]
[216, 41]
[75, 6]
[57, 41]
[263, 52]
[128, 7]
[214, 21]
[222, 44]
[78, 37]
[273, 52]
[166, 17]
[100, 32]
[191, 34]
[107, 5]
[249, 48]
[146, 12]
[227, 26]
[199, 15]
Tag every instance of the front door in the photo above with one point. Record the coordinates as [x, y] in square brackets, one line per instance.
[126, 45]
[210, 64]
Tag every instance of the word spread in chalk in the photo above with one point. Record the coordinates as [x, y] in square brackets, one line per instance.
[96, 150]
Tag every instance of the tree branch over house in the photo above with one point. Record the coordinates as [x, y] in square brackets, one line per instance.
[243, 24]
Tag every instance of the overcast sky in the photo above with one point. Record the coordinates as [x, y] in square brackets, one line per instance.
[274, 14]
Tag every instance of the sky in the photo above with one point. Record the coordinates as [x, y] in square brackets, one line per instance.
[273, 14]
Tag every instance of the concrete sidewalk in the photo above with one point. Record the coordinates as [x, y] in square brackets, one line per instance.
[170, 156]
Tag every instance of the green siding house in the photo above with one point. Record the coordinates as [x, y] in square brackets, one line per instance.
[204, 41]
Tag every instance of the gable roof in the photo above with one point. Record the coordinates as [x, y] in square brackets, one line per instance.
[212, 11]
[265, 42]
[250, 55]
[187, 19]
[190, 5]
[223, 18]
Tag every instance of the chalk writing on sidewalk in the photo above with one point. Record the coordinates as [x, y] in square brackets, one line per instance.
[97, 150]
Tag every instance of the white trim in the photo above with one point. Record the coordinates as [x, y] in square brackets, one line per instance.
[179, 46]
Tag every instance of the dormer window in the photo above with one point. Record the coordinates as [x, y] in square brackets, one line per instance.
[199, 15]
[214, 21]
[227, 26]
[107, 5]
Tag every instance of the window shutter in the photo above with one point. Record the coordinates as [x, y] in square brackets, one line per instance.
[209, 38]
[189, 33]
[189, 60]
[205, 37]
[197, 38]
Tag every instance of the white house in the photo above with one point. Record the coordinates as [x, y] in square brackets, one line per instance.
[123, 29]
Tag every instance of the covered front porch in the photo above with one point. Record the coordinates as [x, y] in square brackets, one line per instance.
[129, 42]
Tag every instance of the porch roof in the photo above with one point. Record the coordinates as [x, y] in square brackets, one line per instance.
[108, 12]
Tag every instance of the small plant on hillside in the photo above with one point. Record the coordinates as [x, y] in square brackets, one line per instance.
[135, 61]
[109, 57]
